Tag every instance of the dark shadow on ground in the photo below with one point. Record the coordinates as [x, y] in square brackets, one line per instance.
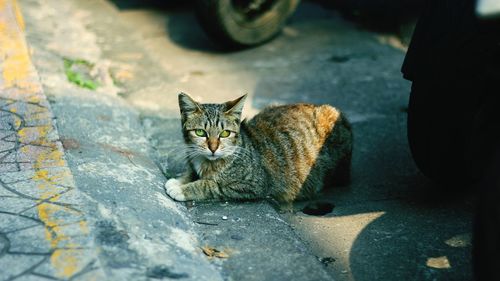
[182, 26]
[376, 15]
[396, 17]
[166, 5]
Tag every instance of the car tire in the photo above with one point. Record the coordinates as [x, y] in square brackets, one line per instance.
[437, 147]
[236, 24]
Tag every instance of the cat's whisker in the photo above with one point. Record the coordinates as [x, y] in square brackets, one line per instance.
[192, 153]
[185, 153]
[179, 154]
[175, 152]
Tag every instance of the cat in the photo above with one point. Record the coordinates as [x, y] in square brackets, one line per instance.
[285, 152]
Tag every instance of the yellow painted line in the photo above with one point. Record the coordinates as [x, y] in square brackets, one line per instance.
[20, 81]
[17, 70]
[19, 16]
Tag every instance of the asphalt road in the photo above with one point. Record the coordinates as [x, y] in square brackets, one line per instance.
[390, 223]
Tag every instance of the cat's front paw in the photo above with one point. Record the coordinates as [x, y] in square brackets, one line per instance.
[174, 189]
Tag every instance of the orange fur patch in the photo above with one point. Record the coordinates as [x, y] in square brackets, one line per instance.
[326, 116]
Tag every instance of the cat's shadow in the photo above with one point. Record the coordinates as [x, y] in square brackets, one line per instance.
[182, 27]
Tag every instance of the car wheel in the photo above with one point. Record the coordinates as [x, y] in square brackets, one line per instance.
[436, 144]
[243, 23]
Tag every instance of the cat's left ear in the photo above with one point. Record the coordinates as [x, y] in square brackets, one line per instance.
[187, 104]
[235, 107]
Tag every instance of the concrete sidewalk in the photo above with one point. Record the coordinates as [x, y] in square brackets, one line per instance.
[52, 228]
[81, 194]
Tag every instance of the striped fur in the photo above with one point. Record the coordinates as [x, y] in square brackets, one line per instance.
[285, 152]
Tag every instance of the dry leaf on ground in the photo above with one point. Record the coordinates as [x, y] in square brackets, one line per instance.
[213, 252]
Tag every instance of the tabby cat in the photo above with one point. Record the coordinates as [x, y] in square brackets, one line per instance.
[285, 152]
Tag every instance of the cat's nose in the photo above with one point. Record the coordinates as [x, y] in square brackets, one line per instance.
[213, 144]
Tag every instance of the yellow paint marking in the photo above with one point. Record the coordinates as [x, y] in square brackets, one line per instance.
[34, 99]
[19, 76]
[63, 260]
[22, 133]
[17, 121]
[19, 16]
[16, 66]
[84, 227]
[66, 261]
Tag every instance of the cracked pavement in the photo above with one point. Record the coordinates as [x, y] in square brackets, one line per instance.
[43, 225]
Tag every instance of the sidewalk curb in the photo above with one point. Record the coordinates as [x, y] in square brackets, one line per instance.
[36, 184]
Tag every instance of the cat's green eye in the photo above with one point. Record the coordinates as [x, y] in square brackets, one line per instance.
[225, 134]
[200, 133]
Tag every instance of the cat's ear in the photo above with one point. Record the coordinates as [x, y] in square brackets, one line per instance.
[187, 104]
[235, 107]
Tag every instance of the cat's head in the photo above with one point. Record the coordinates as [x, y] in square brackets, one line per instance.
[211, 130]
